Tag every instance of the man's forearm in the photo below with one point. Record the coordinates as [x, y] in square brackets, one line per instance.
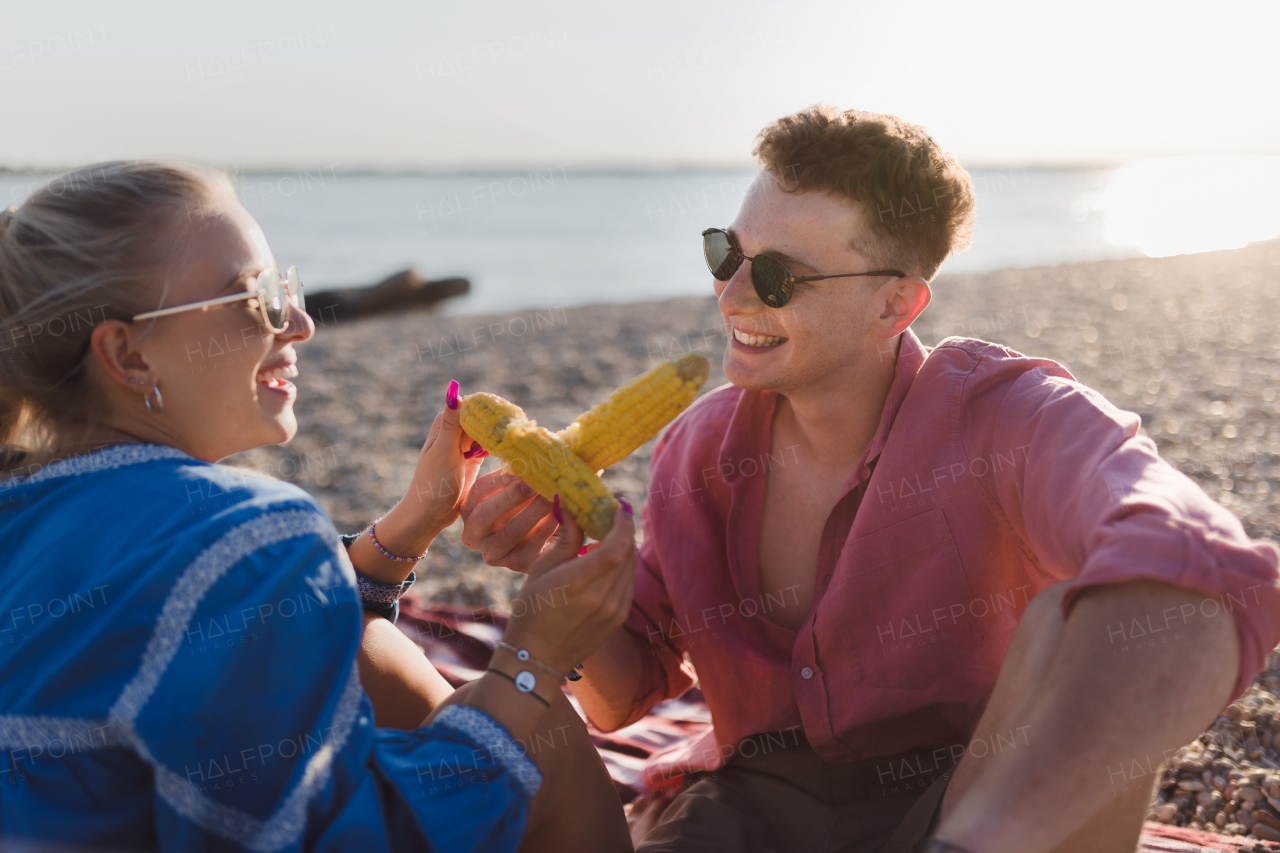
[1126, 683]
[611, 678]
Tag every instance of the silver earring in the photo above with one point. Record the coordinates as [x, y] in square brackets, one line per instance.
[146, 398]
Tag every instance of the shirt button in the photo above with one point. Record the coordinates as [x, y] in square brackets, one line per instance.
[806, 673]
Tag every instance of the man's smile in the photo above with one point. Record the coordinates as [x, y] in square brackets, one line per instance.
[756, 341]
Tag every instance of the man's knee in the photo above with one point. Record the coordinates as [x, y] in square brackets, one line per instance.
[1037, 634]
[1045, 610]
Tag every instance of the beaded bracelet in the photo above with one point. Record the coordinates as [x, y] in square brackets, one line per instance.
[525, 687]
[523, 654]
[374, 536]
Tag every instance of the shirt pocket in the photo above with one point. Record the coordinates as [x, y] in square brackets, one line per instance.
[903, 610]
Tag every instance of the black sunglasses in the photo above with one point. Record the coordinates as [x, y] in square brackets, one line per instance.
[774, 283]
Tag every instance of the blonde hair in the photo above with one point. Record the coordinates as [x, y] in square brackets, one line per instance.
[90, 245]
[917, 201]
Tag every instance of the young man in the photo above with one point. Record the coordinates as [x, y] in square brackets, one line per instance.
[881, 559]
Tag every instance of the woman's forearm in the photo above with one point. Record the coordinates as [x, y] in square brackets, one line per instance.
[518, 712]
[399, 532]
[405, 688]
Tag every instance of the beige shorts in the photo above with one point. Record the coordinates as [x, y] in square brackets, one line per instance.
[788, 799]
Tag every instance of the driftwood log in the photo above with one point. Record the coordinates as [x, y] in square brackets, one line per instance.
[403, 290]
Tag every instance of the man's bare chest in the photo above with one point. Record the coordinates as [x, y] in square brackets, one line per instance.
[795, 513]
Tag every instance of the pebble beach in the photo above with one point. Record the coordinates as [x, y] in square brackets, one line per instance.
[1187, 342]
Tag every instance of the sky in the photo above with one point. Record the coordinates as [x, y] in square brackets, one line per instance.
[431, 85]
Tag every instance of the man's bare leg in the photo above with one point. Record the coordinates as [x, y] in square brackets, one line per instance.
[577, 807]
[1058, 775]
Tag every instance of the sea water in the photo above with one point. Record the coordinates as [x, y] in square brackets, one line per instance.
[560, 237]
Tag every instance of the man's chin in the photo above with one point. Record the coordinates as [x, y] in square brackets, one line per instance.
[751, 379]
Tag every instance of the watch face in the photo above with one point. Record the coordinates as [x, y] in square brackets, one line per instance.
[525, 682]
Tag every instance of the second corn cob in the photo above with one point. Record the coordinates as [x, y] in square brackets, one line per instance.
[637, 411]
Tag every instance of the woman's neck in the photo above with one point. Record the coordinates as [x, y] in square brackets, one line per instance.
[90, 440]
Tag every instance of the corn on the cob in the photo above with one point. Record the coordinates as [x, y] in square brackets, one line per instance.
[637, 411]
[540, 458]
[566, 463]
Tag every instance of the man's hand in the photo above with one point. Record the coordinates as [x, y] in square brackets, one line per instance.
[506, 521]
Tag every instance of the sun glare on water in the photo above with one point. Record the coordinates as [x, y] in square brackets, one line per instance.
[1177, 205]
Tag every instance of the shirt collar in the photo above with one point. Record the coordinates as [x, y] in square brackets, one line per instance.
[753, 414]
[911, 354]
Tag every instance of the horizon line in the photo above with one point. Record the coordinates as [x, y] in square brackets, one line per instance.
[672, 167]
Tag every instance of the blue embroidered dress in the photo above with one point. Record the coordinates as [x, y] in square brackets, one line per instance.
[177, 672]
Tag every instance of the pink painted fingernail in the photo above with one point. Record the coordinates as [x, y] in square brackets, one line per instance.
[451, 396]
[555, 508]
[626, 506]
[476, 450]
[582, 551]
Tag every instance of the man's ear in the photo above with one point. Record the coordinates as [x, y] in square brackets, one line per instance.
[112, 343]
[904, 299]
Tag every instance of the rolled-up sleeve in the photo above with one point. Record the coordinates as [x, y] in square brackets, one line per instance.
[664, 673]
[1093, 501]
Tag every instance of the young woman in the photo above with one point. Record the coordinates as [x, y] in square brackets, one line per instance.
[183, 643]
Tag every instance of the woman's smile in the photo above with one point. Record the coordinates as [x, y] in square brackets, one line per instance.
[275, 377]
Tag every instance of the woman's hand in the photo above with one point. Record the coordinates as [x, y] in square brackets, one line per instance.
[445, 471]
[441, 483]
[506, 521]
[571, 603]
[568, 606]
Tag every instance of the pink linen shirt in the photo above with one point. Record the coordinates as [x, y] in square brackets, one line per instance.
[991, 476]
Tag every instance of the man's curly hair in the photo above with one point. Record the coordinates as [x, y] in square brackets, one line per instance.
[916, 201]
